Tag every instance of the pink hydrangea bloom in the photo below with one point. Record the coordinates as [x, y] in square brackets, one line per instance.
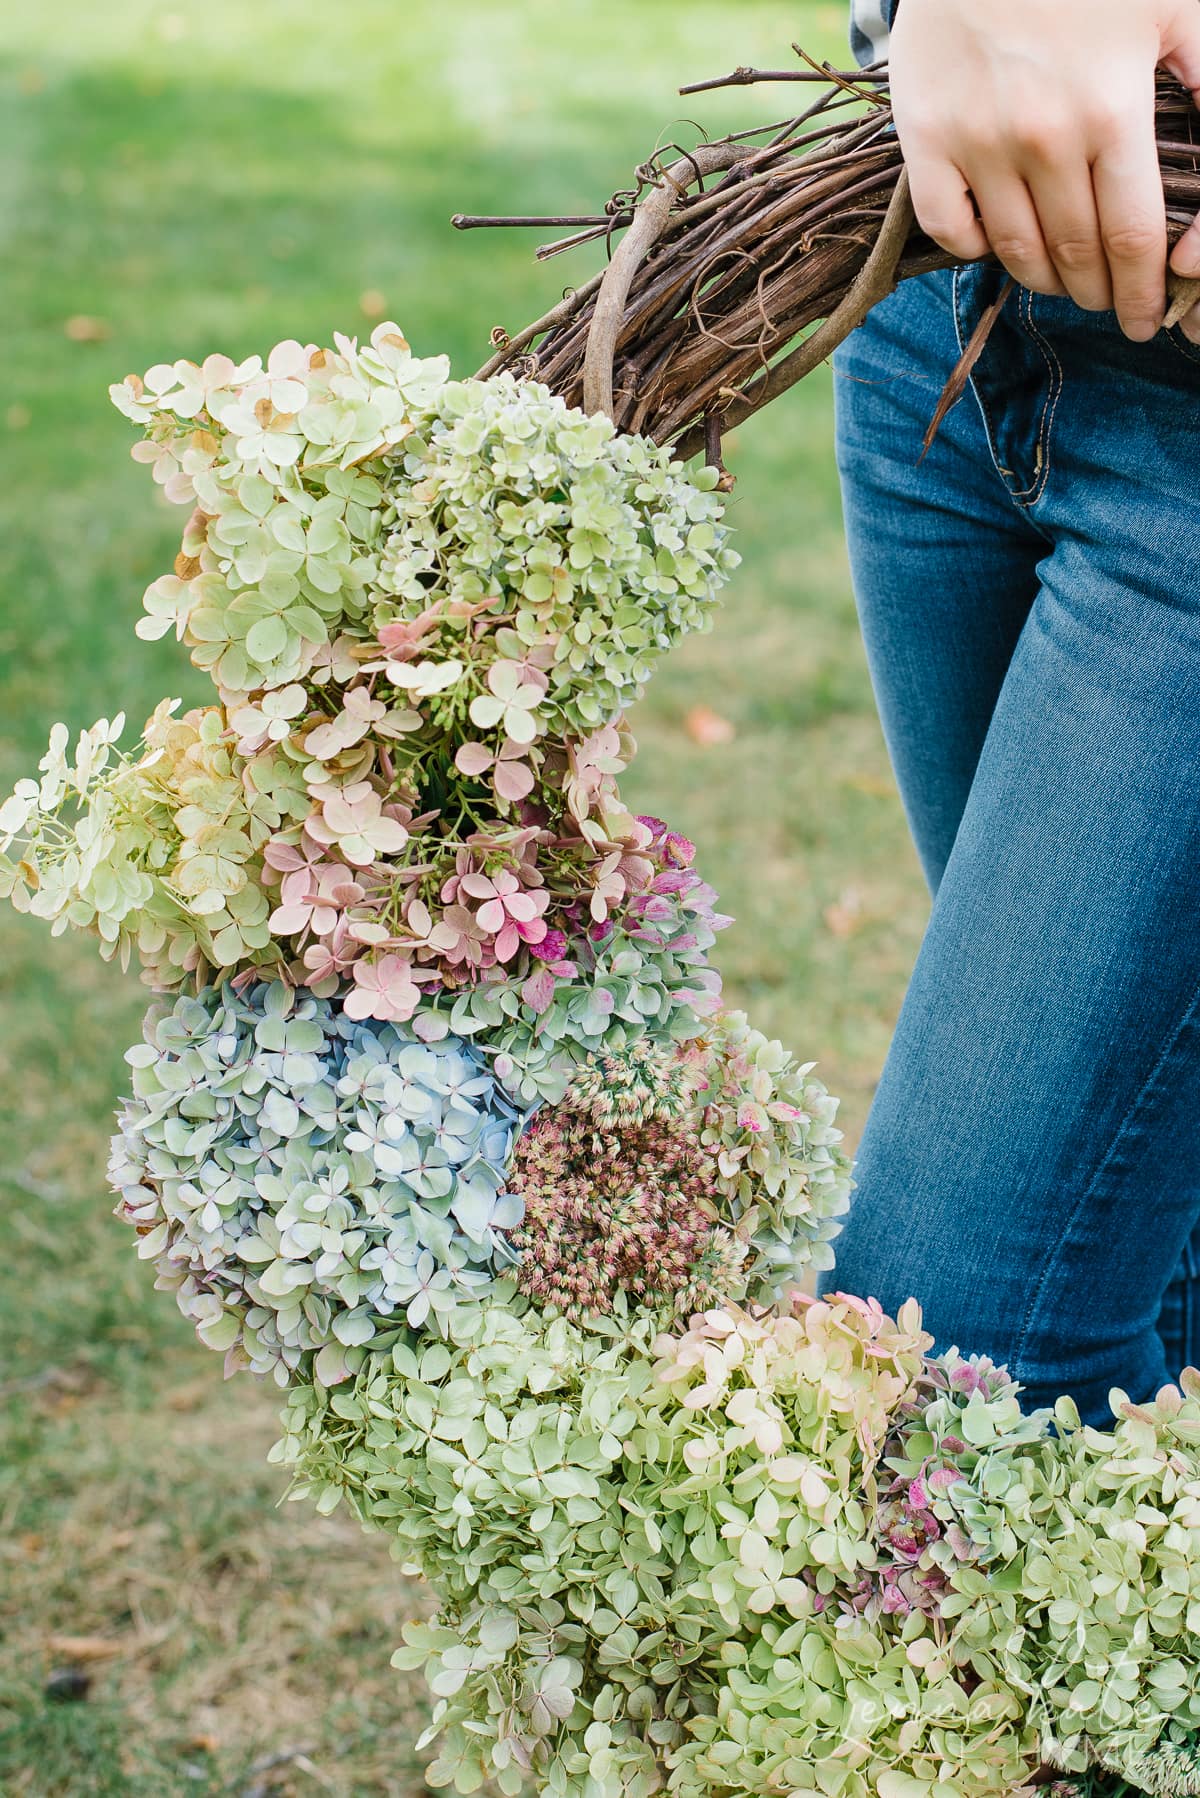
[327, 959]
[386, 989]
[314, 897]
[509, 913]
[356, 820]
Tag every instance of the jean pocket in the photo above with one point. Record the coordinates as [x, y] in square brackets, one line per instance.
[1176, 338]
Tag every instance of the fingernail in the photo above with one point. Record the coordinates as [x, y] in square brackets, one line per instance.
[1186, 264]
[1141, 330]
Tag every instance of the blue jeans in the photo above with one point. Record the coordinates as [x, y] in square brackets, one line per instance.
[1029, 597]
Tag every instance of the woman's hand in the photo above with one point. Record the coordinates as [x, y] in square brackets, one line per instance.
[1041, 112]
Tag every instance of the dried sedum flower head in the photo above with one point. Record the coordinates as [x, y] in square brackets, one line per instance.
[624, 1190]
[630, 1210]
[1169, 1770]
[648, 1081]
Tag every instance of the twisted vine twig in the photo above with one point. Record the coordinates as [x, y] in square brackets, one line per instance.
[646, 228]
[719, 298]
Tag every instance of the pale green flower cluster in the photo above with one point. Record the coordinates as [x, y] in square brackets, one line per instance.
[698, 1519]
[1091, 1602]
[283, 543]
[606, 550]
[770, 1124]
[687, 1505]
[157, 850]
[538, 563]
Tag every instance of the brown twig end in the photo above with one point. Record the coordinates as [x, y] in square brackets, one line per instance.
[1183, 292]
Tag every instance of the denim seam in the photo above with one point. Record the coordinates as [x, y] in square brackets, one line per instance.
[1080, 1202]
[989, 427]
[1189, 351]
[1023, 496]
[1057, 383]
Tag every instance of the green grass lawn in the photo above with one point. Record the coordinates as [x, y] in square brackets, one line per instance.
[200, 176]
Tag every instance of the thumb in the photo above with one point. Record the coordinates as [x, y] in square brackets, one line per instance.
[1179, 46]
[1180, 53]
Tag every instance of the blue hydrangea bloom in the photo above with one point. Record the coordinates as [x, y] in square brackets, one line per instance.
[305, 1182]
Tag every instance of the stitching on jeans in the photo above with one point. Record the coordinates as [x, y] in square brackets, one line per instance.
[1021, 495]
[1076, 1209]
[1189, 351]
[1056, 373]
[989, 425]
[1057, 383]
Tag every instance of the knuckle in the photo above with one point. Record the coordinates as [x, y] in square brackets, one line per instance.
[1046, 139]
[1131, 241]
[1015, 251]
[981, 135]
[1107, 122]
[952, 233]
[1075, 254]
[942, 231]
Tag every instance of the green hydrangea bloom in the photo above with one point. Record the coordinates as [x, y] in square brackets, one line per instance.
[340, 492]
[156, 851]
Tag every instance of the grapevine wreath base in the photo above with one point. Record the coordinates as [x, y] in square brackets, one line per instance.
[439, 1122]
[736, 248]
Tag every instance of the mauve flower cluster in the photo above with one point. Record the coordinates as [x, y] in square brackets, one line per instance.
[633, 1183]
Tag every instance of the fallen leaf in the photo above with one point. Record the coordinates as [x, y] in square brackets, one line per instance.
[708, 728]
[877, 785]
[845, 915]
[371, 303]
[82, 1649]
[83, 328]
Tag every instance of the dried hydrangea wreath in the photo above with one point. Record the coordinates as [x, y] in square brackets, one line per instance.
[439, 1123]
